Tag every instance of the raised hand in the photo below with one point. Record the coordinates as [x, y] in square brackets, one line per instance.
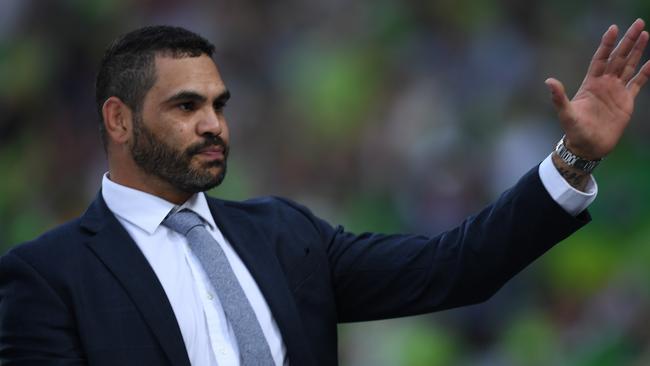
[596, 117]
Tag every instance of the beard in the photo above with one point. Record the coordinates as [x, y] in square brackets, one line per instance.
[174, 166]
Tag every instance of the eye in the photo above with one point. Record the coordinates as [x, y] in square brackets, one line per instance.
[187, 106]
[218, 107]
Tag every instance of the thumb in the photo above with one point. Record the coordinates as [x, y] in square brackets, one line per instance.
[558, 95]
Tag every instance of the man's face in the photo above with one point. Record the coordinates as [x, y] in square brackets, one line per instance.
[180, 135]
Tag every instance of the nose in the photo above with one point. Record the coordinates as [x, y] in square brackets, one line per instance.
[211, 122]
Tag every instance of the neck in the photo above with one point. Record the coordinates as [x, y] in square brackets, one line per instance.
[137, 179]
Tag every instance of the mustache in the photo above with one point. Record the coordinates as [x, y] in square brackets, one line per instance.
[209, 141]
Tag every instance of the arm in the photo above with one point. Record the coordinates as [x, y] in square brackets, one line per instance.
[469, 263]
[36, 327]
[379, 276]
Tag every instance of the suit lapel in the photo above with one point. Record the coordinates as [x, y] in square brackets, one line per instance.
[115, 248]
[261, 261]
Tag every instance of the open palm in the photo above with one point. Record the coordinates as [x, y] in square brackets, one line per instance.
[596, 117]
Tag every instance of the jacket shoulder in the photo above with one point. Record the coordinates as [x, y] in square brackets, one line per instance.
[275, 212]
[266, 205]
[54, 243]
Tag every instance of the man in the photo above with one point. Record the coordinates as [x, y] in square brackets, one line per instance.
[156, 273]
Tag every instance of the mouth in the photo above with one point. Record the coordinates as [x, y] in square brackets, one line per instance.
[212, 153]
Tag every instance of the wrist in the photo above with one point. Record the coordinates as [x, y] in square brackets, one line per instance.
[577, 150]
[577, 178]
[566, 153]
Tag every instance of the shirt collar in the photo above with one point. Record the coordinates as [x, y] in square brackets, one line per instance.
[199, 204]
[145, 210]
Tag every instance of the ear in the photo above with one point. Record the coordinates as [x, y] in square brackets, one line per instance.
[118, 120]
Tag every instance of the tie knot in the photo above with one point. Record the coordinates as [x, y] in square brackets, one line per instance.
[183, 221]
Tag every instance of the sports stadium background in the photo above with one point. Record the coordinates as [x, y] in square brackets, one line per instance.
[381, 115]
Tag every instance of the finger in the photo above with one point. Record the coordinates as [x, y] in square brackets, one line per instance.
[635, 56]
[637, 82]
[558, 96]
[607, 43]
[618, 58]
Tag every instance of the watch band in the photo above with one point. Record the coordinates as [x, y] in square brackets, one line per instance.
[573, 160]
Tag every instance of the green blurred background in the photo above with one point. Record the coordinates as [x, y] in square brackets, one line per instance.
[381, 115]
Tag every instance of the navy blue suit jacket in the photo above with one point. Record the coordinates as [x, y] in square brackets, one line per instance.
[83, 293]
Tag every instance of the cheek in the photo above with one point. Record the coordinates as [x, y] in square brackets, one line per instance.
[175, 133]
[225, 131]
[225, 135]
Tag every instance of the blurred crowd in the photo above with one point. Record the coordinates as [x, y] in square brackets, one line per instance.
[381, 115]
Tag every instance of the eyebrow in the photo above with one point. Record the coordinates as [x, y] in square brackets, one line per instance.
[222, 98]
[188, 95]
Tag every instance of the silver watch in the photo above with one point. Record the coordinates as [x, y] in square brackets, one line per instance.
[573, 160]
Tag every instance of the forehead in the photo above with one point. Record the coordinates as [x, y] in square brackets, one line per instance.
[197, 74]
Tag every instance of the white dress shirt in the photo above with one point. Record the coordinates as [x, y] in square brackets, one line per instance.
[570, 199]
[208, 337]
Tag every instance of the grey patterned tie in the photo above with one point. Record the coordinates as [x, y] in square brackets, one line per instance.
[253, 348]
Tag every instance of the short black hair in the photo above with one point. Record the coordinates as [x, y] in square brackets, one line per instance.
[127, 69]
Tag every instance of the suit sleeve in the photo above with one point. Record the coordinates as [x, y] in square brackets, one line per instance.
[36, 327]
[377, 276]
